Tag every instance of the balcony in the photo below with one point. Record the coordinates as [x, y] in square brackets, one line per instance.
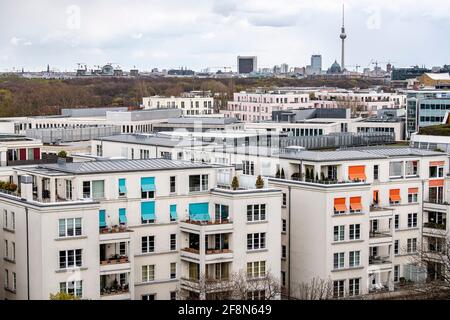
[435, 205]
[380, 234]
[434, 225]
[378, 260]
[114, 233]
[380, 212]
[216, 226]
[210, 255]
[115, 286]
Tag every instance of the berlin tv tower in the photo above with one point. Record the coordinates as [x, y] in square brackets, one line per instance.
[343, 36]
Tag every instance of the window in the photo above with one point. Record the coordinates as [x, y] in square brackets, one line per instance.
[148, 273]
[70, 227]
[338, 260]
[396, 221]
[411, 245]
[94, 189]
[396, 248]
[248, 167]
[354, 259]
[122, 187]
[396, 169]
[375, 172]
[198, 183]
[283, 252]
[353, 287]
[69, 189]
[173, 295]
[148, 188]
[145, 154]
[173, 185]
[86, 189]
[173, 270]
[339, 206]
[355, 205]
[412, 195]
[74, 288]
[13, 251]
[221, 212]
[6, 249]
[70, 259]
[256, 295]
[149, 297]
[394, 196]
[99, 150]
[284, 199]
[283, 225]
[338, 288]
[173, 212]
[355, 232]
[148, 244]
[396, 273]
[339, 233]
[436, 170]
[412, 220]
[123, 248]
[14, 287]
[256, 241]
[256, 212]
[256, 269]
[173, 242]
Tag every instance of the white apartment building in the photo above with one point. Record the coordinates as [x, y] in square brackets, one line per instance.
[133, 229]
[255, 106]
[189, 105]
[357, 217]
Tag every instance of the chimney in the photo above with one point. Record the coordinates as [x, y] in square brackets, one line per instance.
[26, 187]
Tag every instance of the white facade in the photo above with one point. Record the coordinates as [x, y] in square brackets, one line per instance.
[195, 105]
[81, 229]
[252, 107]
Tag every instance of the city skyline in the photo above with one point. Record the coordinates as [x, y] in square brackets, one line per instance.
[202, 34]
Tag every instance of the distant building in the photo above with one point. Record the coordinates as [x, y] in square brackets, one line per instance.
[434, 79]
[189, 105]
[335, 68]
[284, 68]
[180, 72]
[247, 64]
[408, 73]
[425, 108]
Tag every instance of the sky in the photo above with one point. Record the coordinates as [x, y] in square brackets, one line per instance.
[201, 34]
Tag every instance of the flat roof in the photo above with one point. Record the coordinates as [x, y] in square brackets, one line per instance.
[153, 140]
[110, 166]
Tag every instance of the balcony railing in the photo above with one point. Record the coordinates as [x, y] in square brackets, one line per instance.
[210, 222]
[115, 259]
[114, 290]
[434, 225]
[380, 233]
[217, 251]
[379, 260]
[191, 250]
[114, 229]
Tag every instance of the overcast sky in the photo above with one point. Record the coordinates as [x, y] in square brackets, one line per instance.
[211, 33]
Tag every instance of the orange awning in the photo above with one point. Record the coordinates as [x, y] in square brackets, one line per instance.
[394, 194]
[413, 190]
[339, 204]
[357, 172]
[355, 203]
[437, 163]
[375, 196]
[436, 183]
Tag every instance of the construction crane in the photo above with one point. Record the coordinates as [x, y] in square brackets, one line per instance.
[376, 62]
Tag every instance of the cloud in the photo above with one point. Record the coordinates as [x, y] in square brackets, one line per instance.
[15, 41]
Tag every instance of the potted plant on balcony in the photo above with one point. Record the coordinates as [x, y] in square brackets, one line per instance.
[235, 183]
[123, 259]
[259, 182]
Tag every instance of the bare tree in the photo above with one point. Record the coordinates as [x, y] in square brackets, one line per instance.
[237, 286]
[316, 289]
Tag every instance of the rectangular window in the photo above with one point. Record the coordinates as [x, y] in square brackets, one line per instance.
[148, 188]
[148, 273]
[148, 244]
[70, 259]
[353, 287]
[283, 252]
[221, 213]
[338, 260]
[396, 242]
[173, 295]
[98, 189]
[173, 270]
[70, 227]
[396, 169]
[338, 288]
[173, 242]
[354, 259]
[355, 232]
[411, 168]
[284, 199]
[412, 220]
[375, 172]
[74, 288]
[396, 273]
[256, 212]
[436, 169]
[411, 245]
[339, 233]
[396, 221]
[173, 185]
[198, 183]
[256, 241]
[248, 168]
[86, 189]
[412, 195]
[283, 225]
[122, 187]
[256, 269]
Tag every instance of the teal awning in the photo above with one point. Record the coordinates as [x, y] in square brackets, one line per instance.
[199, 211]
[173, 211]
[122, 186]
[102, 218]
[122, 215]
[148, 210]
[148, 184]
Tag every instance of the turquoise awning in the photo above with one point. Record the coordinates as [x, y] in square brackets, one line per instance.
[173, 211]
[148, 210]
[199, 211]
[102, 218]
[122, 215]
[122, 186]
[148, 184]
